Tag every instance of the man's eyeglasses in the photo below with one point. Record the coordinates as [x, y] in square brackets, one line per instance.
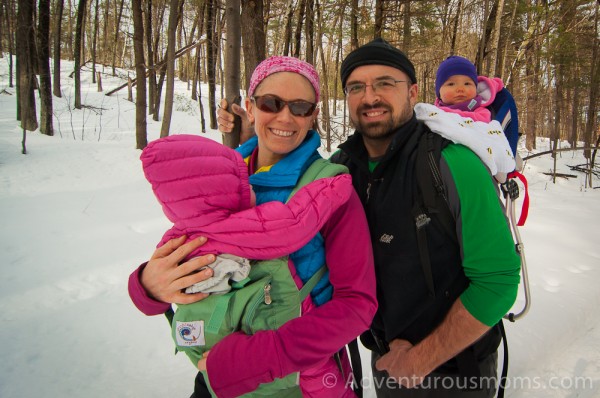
[273, 104]
[380, 86]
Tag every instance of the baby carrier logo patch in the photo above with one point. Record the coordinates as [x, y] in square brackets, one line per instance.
[190, 334]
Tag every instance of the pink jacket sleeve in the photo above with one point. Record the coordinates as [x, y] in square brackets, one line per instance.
[239, 363]
[140, 297]
[275, 229]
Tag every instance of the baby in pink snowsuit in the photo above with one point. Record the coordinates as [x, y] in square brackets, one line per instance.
[465, 97]
[460, 90]
[204, 190]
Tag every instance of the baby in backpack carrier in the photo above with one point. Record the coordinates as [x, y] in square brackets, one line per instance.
[204, 190]
[460, 90]
[464, 98]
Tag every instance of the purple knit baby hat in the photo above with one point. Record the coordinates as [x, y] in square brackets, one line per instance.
[284, 64]
[454, 65]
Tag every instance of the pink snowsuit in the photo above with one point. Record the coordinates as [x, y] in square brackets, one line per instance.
[487, 88]
[203, 188]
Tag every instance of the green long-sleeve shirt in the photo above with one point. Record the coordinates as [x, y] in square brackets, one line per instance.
[488, 252]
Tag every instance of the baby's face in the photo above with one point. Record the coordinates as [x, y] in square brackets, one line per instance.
[457, 89]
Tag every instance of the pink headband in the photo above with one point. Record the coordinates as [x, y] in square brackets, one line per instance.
[284, 64]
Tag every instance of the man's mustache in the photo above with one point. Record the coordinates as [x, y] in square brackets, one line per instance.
[367, 107]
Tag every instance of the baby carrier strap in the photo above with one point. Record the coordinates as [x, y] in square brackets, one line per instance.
[320, 168]
[430, 198]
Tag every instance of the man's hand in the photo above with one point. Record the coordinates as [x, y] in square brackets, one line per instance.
[400, 364]
[164, 279]
[411, 364]
[225, 120]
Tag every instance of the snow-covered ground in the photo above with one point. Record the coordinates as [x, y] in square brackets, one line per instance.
[77, 216]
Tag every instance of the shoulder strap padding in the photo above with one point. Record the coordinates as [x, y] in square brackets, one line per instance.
[431, 191]
[320, 168]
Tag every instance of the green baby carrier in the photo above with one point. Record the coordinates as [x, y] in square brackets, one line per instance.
[265, 300]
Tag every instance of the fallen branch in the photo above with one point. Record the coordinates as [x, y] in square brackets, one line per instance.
[584, 168]
[95, 109]
[567, 176]
[159, 65]
[558, 150]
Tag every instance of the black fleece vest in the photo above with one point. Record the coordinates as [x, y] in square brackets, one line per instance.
[407, 309]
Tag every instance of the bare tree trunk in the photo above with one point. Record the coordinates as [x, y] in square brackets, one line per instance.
[309, 36]
[455, 28]
[485, 34]
[141, 136]
[152, 70]
[173, 18]
[179, 36]
[200, 104]
[495, 40]
[10, 34]
[557, 116]
[44, 63]
[288, 30]
[77, 52]
[325, 116]
[57, 35]
[532, 70]
[593, 93]
[211, 53]
[406, 33]
[232, 66]
[116, 37]
[189, 65]
[157, 28]
[70, 29]
[354, 25]
[220, 24]
[2, 30]
[253, 38]
[573, 115]
[501, 64]
[94, 40]
[105, 29]
[25, 72]
[161, 79]
[338, 55]
[197, 58]
[378, 28]
[298, 36]
[195, 82]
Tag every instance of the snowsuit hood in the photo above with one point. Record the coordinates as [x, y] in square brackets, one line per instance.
[203, 189]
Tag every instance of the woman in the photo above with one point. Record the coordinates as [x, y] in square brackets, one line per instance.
[282, 106]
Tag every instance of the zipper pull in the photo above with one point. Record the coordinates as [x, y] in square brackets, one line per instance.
[368, 191]
[267, 290]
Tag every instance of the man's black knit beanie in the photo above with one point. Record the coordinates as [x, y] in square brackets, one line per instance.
[377, 52]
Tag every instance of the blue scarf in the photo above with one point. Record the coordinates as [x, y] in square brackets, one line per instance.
[276, 184]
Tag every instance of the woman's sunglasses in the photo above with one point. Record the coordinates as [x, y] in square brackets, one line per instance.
[274, 104]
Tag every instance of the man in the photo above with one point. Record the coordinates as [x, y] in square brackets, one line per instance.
[434, 334]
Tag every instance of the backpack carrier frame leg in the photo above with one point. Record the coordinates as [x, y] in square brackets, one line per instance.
[510, 189]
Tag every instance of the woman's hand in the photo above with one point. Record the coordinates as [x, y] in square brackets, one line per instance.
[202, 362]
[165, 280]
[225, 120]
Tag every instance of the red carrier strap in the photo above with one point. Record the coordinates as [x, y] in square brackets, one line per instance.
[525, 208]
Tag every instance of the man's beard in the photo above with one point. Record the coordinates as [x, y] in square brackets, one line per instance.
[382, 130]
